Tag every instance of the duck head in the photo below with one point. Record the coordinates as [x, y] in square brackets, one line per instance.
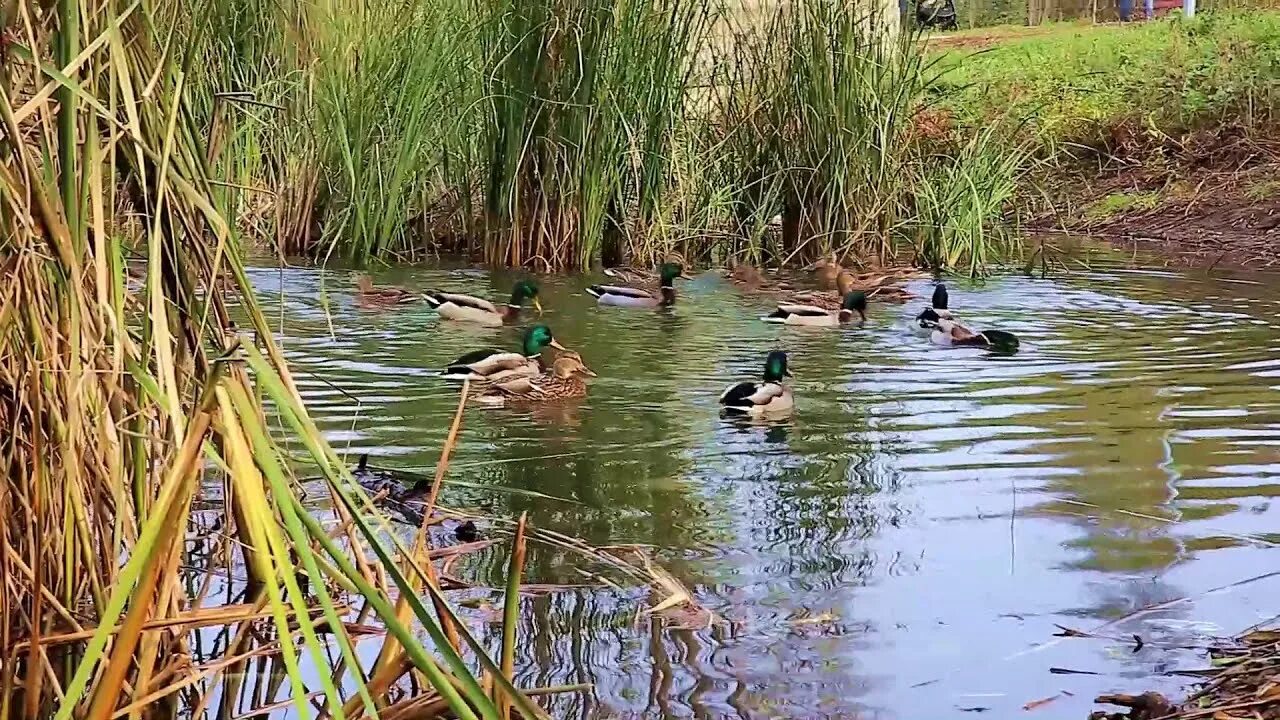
[537, 338]
[525, 290]
[940, 297]
[775, 367]
[855, 301]
[669, 271]
[569, 364]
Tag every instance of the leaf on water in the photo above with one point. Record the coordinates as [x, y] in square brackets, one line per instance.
[1041, 702]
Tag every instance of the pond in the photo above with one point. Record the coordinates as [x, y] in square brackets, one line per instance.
[908, 544]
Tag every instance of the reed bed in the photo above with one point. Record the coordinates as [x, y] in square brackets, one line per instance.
[560, 133]
[156, 553]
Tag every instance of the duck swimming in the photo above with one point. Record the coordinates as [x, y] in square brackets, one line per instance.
[939, 305]
[760, 399]
[625, 296]
[944, 331]
[562, 382]
[368, 294]
[854, 301]
[469, 308]
[494, 366]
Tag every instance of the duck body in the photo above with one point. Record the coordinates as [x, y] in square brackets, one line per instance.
[853, 304]
[367, 294]
[760, 399]
[626, 296]
[492, 365]
[564, 381]
[469, 308]
[947, 332]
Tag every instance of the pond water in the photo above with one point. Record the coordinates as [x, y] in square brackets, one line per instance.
[905, 546]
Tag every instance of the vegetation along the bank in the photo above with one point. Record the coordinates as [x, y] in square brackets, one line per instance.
[399, 128]
[157, 555]
[1162, 130]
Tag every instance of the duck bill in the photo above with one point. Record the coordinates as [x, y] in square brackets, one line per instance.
[558, 346]
[537, 306]
[588, 372]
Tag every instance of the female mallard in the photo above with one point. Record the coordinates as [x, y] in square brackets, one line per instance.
[945, 331]
[826, 271]
[789, 314]
[845, 284]
[391, 295]
[497, 366]
[563, 381]
[758, 399]
[468, 308]
[639, 297]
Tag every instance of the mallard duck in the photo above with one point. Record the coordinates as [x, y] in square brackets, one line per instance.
[639, 297]
[855, 301]
[758, 399]
[938, 304]
[945, 331]
[497, 366]
[563, 381]
[468, 308]
[826, 271]
[390, 295]
[845, 284]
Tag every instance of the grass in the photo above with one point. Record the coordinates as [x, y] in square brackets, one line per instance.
[392, 130]
[1098, 86]
[1120, 203]
[124, 397]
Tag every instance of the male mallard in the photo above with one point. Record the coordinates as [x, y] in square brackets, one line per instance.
[758, 399]
[468, 308]
[945, 331]
[855, 301]
[497, 366]
[638, 297]
[938, 304]
[391, 295]
[563, 381]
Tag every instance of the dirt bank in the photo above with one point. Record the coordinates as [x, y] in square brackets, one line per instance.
[1214, 208]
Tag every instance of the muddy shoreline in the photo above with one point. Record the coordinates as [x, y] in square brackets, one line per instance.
[1220, 209]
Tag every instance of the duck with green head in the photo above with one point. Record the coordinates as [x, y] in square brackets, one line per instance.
[625, 296]
[490, 365]
[469, 308]
[760, 399]
[854, 304]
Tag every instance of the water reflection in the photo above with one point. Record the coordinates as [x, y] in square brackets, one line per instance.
[906, 544]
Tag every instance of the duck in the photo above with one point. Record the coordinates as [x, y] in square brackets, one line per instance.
[639, 297]
[563, 381]
[945, 331]
[390, 295]
[855, 301]
[469, 308]
[493, 366]
[826, 271]
[938, 304]
[845, 284]
[759, 399]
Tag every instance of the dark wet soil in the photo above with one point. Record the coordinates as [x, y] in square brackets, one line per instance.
[1213, 206]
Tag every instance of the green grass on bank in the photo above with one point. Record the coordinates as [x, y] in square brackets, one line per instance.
[1078, 84]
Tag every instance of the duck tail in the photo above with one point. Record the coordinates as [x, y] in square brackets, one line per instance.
[1001, 341]
[432, 299]
[595, 291]
[777, 316]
